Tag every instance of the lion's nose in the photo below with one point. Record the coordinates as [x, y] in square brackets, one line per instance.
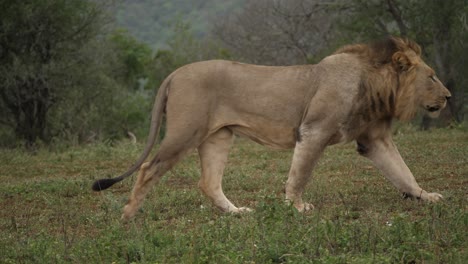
[447, 94]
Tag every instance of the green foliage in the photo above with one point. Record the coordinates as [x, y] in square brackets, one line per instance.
[38, 43]
[49, 213]
[131, 114]
[135, 56]
[61, 79]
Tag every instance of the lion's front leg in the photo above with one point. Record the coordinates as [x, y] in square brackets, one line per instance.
[385, 156]
[306, 154]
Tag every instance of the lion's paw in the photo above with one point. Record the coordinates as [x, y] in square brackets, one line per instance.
[304, 207]
[433, 197]
[308, 207]
[300, 206]
[241, 210]
[129, 212]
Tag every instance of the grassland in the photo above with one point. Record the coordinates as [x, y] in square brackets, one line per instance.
[50, 215]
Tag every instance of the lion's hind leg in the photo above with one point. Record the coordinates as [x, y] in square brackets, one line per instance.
[213, 156]
[149, 174]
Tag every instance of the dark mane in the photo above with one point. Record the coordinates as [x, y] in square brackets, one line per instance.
[380, 52]
[383, 93]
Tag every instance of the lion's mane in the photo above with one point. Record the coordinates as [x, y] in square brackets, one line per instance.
[386, 87]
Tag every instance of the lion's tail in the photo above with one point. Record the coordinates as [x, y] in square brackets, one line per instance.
[156, 118]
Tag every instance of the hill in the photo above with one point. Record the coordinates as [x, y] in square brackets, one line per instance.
[152, 21]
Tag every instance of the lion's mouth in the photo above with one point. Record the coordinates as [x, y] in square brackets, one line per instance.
[433, 108]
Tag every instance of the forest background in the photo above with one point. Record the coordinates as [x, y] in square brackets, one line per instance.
[86, 71]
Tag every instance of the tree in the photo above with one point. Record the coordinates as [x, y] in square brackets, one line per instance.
[135, 56]
[39, 41]
[277, 32]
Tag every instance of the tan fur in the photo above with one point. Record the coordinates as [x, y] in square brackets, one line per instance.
[351, 95]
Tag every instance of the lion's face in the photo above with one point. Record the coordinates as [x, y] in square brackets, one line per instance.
[420, 87]
[430, 93]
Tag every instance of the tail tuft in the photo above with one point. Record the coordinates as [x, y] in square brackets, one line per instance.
[103, 184]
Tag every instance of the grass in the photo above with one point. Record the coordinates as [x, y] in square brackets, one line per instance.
[50, 215]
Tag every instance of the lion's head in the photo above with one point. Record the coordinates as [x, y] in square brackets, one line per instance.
[398, 82]
[417, 81]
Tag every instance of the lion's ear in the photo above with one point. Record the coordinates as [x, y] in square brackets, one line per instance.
[401, 61]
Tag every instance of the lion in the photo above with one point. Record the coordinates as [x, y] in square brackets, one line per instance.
[351, 95]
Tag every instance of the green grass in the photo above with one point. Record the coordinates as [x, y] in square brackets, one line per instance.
[50, 215]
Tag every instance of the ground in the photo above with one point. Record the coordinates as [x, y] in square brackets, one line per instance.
[50, 215]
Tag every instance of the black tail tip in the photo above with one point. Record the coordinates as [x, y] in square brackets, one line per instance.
[103, 184]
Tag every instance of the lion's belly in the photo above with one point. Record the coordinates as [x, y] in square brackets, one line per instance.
[274, 136]
[265, 125]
